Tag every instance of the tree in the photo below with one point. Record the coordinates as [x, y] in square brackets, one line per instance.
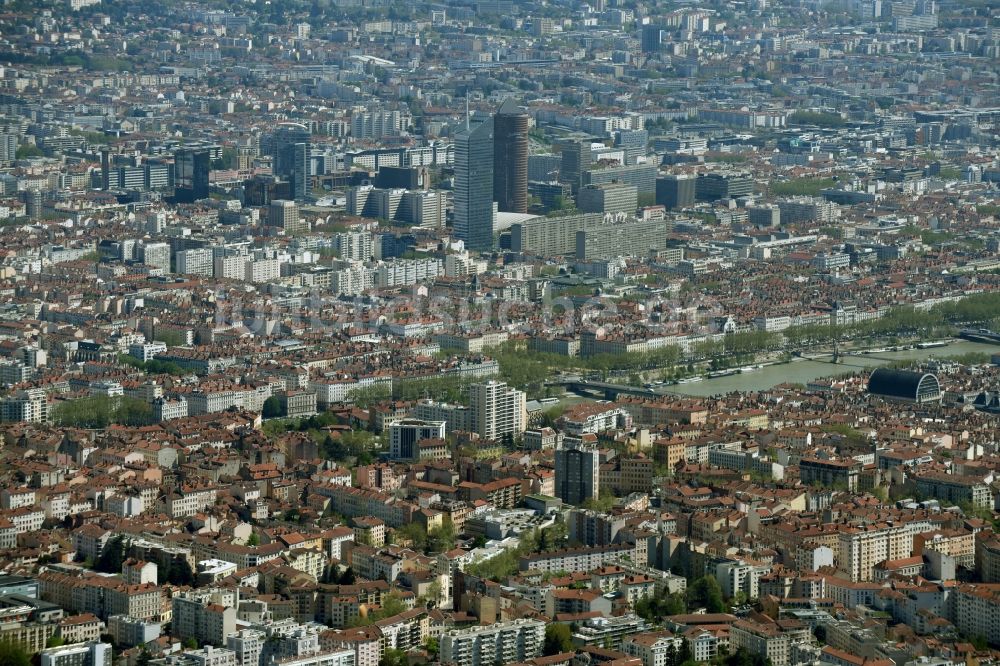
[180, 573]
[802, 186]
[602, 503]
[229, 157]
[12, 654]
[705, 592]
[391, 605]
[393, 657]
[554, 535]
[253, 539]
[153, 366]
[558, 639]
[441, 539]
[191, 643]
[742, 657]
[684, 652]
[54, 641]
[655, 609]
[432, 646]
[348, 577]
[112, 555]
[271, 408]
[144, 657]
[413, 532]
[99, 411]
[672, 655]
[28, 150]
[818, 118]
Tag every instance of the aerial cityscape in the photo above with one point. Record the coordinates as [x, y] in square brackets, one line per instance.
[499, 333]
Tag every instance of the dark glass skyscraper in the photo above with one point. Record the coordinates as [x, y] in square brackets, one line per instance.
[291, 157]
[576, 158]
[675, 191]
[191, 168]
[510, 158]
[577, 474]
[474, 213]
[651, 38]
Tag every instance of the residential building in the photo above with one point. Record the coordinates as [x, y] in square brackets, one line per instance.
[496, 410]
[495, 645]
[577, 473]
[93, 653]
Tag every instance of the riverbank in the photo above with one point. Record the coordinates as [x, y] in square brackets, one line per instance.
[803, 371]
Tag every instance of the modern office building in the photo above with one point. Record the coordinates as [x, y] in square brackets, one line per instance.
[544, 168]
[608, 198]
[33, 202]
[405, 177]
[551, 195]
[676, 191]
[510, 158]
[765, 215]
[422, 209]
[105, 169]
[291, 157]
[634, 142]
[577, 473]
[652, 38]
[284, 214]
[715, 186]
[642, 176]
[577, 157]
[475, 213]
[191, 167]
[830, 473]
[405, 437]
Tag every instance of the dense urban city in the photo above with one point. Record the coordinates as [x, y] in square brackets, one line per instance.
[499, 333]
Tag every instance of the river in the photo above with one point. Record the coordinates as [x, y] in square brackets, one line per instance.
[803, 371]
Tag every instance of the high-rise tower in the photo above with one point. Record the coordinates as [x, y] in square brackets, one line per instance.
[291, 157]
[510, 158]
[577, 473]
[191, 167]
[474, 211]
[576, 158]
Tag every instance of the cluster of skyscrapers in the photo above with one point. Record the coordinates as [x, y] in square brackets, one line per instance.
[491, 174]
